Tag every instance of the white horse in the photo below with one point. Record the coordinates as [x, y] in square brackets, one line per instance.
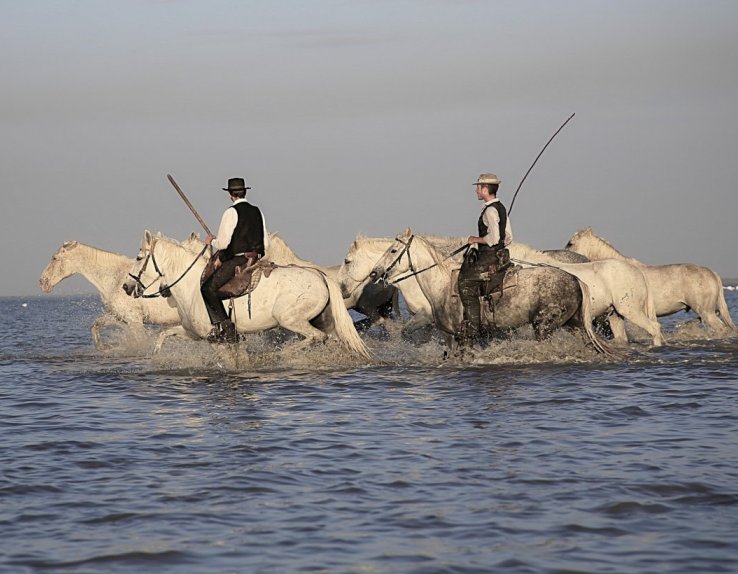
[617, 288]
[545, 297]
[364, 252]
[354, 274]
[106, 271]
[293, 297]
[374, 301]
[676, 287]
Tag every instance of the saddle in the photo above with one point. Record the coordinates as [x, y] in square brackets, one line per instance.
[499, 280]
[497, 271]
[245, 279]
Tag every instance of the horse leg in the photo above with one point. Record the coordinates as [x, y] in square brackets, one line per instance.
[179, 330]
[651, 326]
[711, 321]
[617, 327]
[417, 321]
[708, 316]
[293, 316]
[311, 334]
[109, 320]
[97, 324]
[545, 321]
[292, 322]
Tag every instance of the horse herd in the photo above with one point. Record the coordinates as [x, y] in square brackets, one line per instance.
[588, 280]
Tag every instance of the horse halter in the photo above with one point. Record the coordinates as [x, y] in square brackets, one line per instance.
[403, 251]
[137, 278]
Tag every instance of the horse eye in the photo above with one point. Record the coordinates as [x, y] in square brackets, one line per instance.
[347, 262]
[393, 251]
[139, 258]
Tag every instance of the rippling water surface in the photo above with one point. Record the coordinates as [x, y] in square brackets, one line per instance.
[534, 458]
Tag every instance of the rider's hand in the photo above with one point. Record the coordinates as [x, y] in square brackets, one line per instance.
[209, 239]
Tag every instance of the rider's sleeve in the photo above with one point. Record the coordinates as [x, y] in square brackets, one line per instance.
[225, 231]
[266, 235]
[492, 221]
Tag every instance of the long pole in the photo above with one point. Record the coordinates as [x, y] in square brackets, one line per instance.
[187, 201]
[535, 160]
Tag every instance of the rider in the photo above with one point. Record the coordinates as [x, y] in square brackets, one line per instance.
[241, 236]
[495, 233]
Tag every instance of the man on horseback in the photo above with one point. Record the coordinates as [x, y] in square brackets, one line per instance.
[488, 256]
[242, 239]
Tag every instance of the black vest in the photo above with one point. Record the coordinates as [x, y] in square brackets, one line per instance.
[483, 230]
[249, 232]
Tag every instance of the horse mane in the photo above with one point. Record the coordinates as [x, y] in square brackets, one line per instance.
[95, 253]
[372, 245]
[600, 248]
[444, 243]
[434, 249]
[279, 252]
[529, 254]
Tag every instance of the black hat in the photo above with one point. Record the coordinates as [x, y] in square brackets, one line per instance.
[236, 184]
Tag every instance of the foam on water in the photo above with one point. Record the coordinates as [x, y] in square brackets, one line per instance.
[278, 350]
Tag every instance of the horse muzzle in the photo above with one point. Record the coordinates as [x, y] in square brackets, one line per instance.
[378, 276]
[133, 289]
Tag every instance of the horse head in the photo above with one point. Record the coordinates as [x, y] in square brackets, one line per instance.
[575, 241]
[395, 260]
[59, 267]
[353, 274]
[144, 272]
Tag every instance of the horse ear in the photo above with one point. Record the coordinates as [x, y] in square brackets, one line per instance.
[407, 233]
[588, 231]
[70, 244]
[147, 238]
[194, 235]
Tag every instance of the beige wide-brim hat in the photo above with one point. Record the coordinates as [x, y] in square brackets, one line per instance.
[487, 179]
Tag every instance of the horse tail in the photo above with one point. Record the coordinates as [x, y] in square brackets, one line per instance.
[600, 345]
[343, 324]
[722, 306]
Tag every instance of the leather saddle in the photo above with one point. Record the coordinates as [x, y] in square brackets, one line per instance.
[497, 272]
[245, 279]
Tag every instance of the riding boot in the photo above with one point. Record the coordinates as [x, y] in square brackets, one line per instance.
[214, 335]
[223, 332]
[228, 332]
[472, 317]
[464, 336]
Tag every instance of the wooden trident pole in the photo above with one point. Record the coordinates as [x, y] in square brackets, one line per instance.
[187, 201]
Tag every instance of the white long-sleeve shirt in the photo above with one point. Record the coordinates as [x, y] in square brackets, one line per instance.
[228, 225]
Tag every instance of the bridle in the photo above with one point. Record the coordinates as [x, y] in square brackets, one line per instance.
[413, 272]
[405, 250]
[164, 291]
[137, 278]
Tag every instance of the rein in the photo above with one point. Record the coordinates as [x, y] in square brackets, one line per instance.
[413, 272]
[531, 264]
[166, 288]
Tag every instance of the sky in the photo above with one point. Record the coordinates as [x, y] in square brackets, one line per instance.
[353, 117]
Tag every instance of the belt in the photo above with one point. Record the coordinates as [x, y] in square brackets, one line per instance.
[483, 247]
[248, 255]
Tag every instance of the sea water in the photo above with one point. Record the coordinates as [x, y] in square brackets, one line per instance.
[527, 457]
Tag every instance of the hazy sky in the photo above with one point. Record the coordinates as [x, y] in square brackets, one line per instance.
[368, 116]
